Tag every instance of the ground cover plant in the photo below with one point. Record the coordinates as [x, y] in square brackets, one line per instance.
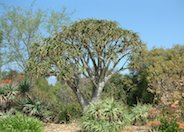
[20, 123]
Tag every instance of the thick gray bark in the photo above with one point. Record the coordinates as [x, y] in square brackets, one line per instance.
[82, 100]
[80, 97]
[74, 85]
[97, 91]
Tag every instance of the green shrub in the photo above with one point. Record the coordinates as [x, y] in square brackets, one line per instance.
[105, 116]
[20, 123]
[62, 112]
[140, 113]
[168, 126]
[69, 111]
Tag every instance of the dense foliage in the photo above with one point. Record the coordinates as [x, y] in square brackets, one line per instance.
[129, 89]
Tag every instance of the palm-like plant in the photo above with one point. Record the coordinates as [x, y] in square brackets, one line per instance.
[24, 87]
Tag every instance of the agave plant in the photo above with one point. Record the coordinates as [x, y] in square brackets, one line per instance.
[11, 92]
[33, 108]
[7, 96]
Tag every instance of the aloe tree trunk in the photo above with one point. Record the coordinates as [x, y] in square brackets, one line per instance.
[97, 90]
[80, 97]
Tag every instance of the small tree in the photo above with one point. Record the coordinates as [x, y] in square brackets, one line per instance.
[95, 49]
[21, 27]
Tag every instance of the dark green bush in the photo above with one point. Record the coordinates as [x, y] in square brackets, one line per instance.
[20, 123]
[63, 113]
[168, 126]
[105, 116]
[69, 112]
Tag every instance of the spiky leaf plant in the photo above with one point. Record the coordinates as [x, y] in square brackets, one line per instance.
[105, 116]
[33, 108]
[24, 87]
[140, 113]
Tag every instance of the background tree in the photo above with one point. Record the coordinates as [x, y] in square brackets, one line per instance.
[119, 87]
[1, 57]
[21, 27]
[95, 49]
[129, 89]
[162, 70]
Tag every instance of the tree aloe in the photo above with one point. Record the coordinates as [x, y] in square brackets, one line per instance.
[95, 49]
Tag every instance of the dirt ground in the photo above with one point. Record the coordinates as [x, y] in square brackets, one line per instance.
[72, 127]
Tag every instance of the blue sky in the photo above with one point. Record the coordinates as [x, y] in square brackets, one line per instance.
[160, 23]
